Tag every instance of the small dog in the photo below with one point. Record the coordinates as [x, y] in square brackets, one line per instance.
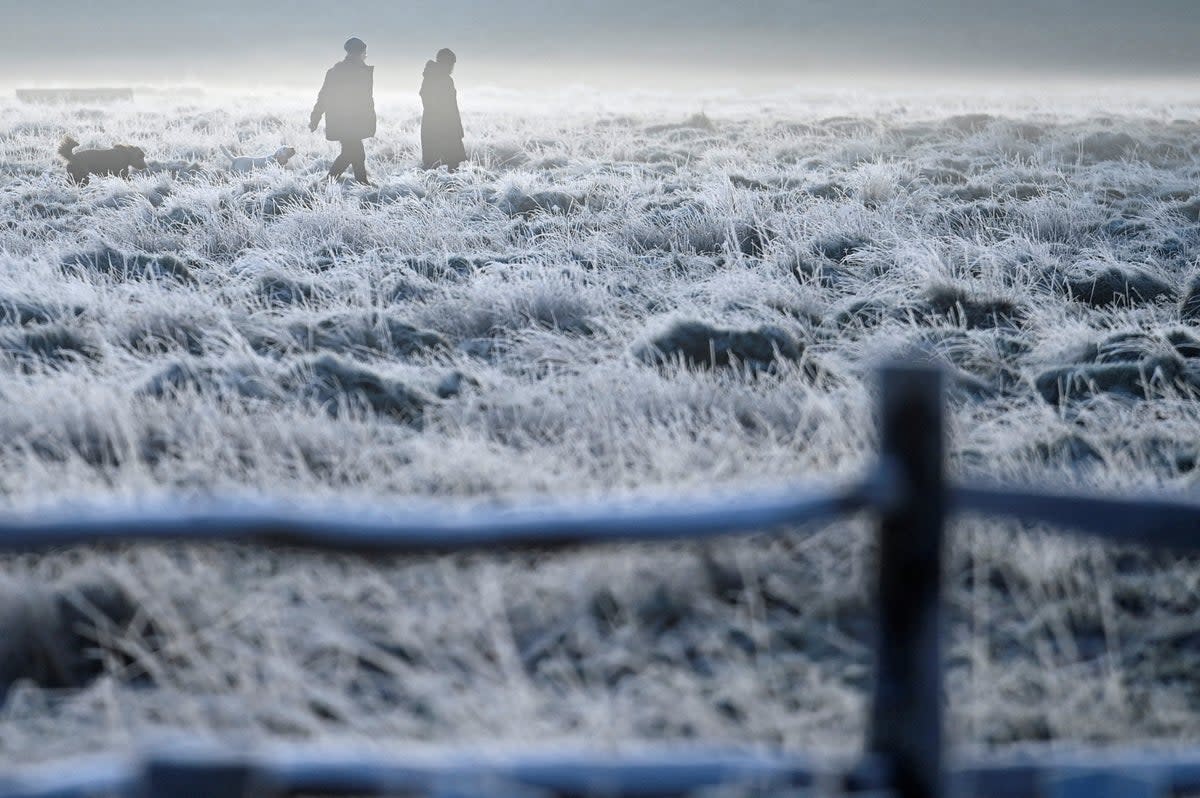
[82, 164]
[244, 163]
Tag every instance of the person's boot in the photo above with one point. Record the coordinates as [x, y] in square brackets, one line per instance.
[337, 170]
[360, 176]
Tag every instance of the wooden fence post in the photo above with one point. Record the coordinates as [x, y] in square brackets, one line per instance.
[906, 715]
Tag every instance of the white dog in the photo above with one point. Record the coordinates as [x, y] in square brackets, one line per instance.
[246, 163]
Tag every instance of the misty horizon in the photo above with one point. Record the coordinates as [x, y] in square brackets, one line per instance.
[771, 43]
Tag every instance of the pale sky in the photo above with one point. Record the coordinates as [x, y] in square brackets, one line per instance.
[635, 43]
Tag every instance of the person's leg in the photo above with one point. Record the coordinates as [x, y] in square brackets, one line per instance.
[358, 160]
[342, 161]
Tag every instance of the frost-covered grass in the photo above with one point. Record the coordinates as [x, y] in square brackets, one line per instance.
[606, 302]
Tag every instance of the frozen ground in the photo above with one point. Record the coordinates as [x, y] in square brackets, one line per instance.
[536, 325]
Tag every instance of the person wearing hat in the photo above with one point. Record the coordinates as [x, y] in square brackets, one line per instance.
[441, 123]
[347, 101]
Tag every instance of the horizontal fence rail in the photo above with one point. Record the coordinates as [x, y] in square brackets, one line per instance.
[428, 528]
[1131, 520]
[649, 774]
[1147, 521]
[905, 757]
[321, 772]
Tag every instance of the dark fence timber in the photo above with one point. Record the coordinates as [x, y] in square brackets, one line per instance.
[906, 717]
[432, 529]
[905, 753]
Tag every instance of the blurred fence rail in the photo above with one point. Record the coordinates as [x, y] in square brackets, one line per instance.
[906, 754]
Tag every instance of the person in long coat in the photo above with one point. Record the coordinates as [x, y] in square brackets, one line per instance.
[441, 123]
[347, 101]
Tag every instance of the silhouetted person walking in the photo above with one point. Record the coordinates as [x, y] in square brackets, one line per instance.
[441, 124]
[347, 101]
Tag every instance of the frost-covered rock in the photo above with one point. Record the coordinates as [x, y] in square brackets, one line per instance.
[21, 311]
[1189, 308]
[1106, 284]
[516, 202]
[1108, 146]
[61, 637]
[281, 290]
[702, 345]
[339, 385]
[49, 345]
[972, 310]
[244, 379]
[346, 333]
[1140, 380]
[120, 265]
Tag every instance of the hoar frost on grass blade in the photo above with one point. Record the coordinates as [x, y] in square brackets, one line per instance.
[603, 303]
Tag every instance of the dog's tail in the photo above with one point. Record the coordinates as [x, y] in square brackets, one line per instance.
[67, 149]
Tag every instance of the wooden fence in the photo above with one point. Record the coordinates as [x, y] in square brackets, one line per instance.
[906, 754]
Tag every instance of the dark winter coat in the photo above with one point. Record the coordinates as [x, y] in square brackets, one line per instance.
[347, 101]
[441, 124]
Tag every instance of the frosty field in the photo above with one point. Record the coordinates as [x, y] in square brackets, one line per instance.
[621, 295]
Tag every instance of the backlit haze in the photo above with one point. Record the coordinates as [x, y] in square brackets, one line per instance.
[623, 44]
